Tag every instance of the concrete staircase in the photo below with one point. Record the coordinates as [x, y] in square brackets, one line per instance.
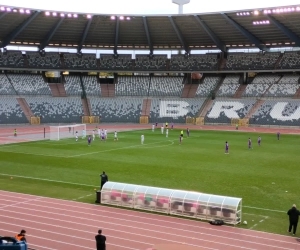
[239, 92]
[146, 107]
[107, 90]
[271, 86]
[205, 107]
[25, 107]
[189, 90]
[297, 94]
[258, 103]
[57, 89]
[278, 61]
[85, 107]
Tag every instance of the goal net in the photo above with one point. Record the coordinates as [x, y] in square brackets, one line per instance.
[66, 131]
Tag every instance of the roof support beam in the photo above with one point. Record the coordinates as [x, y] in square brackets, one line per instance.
[211, 34]
[3, 14]
[84, 34]
[246, 33]
[117, 36]
[179, 35]
[18, 30]
[148, 35]
[290, 34]
[50, 34]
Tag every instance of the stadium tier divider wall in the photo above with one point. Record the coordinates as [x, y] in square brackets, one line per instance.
[170, 201]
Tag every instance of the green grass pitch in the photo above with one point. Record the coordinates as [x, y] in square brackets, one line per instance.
[261, 176]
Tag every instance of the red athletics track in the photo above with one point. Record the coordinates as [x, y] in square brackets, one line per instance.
[63, 225]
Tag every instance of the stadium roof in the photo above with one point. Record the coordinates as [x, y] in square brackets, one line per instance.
[263, 29]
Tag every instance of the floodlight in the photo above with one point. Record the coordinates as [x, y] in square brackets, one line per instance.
[112, 17]
[21, 11]
[47, 13]
[180, 4]
[121, 18]
[75, 15]
[89, 16]
[298, 8]
[8, 9]
[27, 11]
[256, 12]
[2, 8]
[62, 15]
[128, 18]
[54, 14]
[69, 15]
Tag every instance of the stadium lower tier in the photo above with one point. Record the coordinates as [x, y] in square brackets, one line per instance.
[283, 112]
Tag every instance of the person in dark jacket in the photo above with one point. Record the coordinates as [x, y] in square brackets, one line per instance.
[100, 240]
[293, 214]
[104, 179]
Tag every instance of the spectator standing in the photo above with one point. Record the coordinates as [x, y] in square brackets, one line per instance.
[100, 241]
[15, 132]
[104, 179]
[293, 214]
[21, 236]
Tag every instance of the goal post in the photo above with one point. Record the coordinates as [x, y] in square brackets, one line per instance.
[66, 131]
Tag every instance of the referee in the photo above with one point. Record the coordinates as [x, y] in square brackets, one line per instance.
[104, 179]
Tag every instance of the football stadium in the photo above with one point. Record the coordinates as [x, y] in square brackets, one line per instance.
[166, 132]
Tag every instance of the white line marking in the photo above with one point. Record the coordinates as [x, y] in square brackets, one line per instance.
[41, 179]
[81, 197]
[265, 209]
[65, 214]
[253, 226]
[18, 203]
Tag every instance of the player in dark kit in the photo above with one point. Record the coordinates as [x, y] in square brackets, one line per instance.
[104, 179]
[258, 141]
[89, 140]
[100, 241]
[188, 132]
[278, 135]
[180, 140]
[226, 148]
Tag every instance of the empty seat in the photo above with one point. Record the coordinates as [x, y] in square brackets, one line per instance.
[73, 85]
[48, 60]
[11, 112]
[208, 85]
[229, 86]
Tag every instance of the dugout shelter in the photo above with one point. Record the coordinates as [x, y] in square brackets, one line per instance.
[170, 201]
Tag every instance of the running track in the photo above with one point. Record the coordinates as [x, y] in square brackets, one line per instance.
[63, 225]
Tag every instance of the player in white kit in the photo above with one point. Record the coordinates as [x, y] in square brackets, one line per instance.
[153, 126]
[105, 134]
[167, 132]
[99, 133]
[93, 134]
[76, 135]
[162, 129]
[142, 139]
[116, 136]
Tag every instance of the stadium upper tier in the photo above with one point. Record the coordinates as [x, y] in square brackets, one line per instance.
[258, 28]
[213, 62]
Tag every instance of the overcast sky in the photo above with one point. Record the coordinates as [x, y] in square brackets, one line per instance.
[144, 6]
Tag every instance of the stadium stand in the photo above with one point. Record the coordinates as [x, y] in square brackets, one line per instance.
[251, 61]
[290, 60]
[208, 85]
[132, 86]
[47, 61]
[12, 59]
[286, 87]
[166, 86]
[29, 84]
[154, 62]
[229, 86]
[121, 62]
[260, 85]
[11, 112]
[277, 112]
[73, 85]
[194, 62]
[56, 110]
[223, 110]
[174, 110]
[117, 109]
[91, 86]
[83, 61]
[5, 87]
